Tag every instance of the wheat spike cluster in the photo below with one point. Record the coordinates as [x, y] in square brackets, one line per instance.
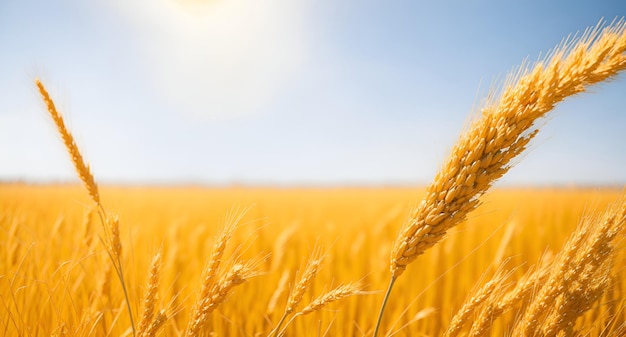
[158, 266]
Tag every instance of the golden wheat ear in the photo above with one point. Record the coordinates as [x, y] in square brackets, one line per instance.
[150, 296]
[238, 274]
[578, 277]
[340, 292]
[213, 291]
[307, 275]
[484, 152]
[81, 168]
[481, 296]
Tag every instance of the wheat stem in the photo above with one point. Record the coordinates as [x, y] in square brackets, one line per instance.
[384, 304]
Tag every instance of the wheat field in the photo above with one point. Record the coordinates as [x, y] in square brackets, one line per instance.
[446, 259]
[53, 259]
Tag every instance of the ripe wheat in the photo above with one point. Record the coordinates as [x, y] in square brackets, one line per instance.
[484, 152]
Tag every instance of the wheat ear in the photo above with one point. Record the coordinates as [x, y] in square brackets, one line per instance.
[483, 294]
[210, 274]
[340, 292]
[578, 269]
[77, 159]
[150, 296]
[499, 302]
[310, 271]
[238, 274]
[507, 124]
[483, 154]
[578, 297]
[158, 322]
[114, 241]
[312, 267]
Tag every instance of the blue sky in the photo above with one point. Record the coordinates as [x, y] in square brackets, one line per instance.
[288, 92]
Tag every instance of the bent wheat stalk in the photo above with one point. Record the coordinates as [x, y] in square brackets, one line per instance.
[109, 221]
[507, 124]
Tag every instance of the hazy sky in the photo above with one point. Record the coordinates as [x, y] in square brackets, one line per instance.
[288, 91]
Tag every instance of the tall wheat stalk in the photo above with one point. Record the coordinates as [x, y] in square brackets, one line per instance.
[507, 124]
[110, 222]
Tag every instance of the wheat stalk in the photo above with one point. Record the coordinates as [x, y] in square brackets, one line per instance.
[311, 269]
[507, 124]
[114, 245]
[210, 274]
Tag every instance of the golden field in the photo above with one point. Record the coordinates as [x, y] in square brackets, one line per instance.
[53, 260]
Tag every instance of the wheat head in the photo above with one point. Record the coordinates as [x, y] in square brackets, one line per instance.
[484, 153]
[579, 275]
[150, 296]
[310, 271]
[501, 301]
[210, 274]
[481, 296]
[237, 275]
[340, 292]
[70, 145]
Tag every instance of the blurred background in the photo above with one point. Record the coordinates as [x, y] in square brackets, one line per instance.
[286, 92]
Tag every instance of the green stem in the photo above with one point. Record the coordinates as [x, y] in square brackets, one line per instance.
[382, 307]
